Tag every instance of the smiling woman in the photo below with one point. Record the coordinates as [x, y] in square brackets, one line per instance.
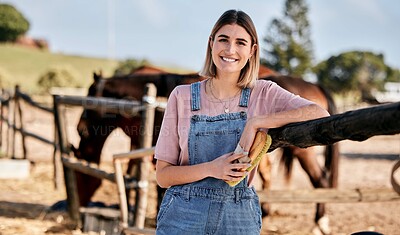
[206, 121]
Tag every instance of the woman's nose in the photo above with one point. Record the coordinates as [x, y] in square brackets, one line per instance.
[230, 49]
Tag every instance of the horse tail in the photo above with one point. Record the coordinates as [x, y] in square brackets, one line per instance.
[331, 151]
[287, 161]
[331, 103]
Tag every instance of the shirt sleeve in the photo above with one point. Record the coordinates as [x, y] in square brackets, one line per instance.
[167, 147]
[283, 100]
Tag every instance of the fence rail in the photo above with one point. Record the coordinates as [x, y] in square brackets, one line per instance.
[357, 125]
[15, 124]
[329, 195]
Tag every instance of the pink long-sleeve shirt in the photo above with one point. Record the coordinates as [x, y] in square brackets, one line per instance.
[172, 145]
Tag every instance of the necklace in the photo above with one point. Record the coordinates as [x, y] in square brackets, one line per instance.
[225, 105]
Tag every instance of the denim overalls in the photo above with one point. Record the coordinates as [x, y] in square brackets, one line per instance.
[211, 206]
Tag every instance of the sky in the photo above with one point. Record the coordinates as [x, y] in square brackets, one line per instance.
[175, 32]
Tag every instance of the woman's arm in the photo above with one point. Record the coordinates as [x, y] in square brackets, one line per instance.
[305, 113]
[274, 120]
[221, 168]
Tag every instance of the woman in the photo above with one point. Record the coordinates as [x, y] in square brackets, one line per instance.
[203, 124]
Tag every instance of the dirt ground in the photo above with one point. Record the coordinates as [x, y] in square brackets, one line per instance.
[25, 203]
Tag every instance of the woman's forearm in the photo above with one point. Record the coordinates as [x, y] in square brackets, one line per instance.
[168, 175]
[279, 119]
[223, 167]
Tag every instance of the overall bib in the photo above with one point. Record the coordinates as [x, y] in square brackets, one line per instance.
[211, 206]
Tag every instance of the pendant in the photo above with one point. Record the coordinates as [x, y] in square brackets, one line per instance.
[226, 110]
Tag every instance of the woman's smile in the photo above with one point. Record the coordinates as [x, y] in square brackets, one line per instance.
[229, 60]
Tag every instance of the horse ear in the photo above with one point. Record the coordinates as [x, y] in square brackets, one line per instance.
[96, 77]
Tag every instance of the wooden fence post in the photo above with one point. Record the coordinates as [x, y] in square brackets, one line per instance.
[146, 142]
[2, 102]
[69, 174]
[21, 122]
[13, 112]
[8, 121]
[5, 103]
[58, 167]
[9, 132]
[57, 164]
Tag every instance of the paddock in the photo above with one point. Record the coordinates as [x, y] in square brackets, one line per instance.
[370, 155]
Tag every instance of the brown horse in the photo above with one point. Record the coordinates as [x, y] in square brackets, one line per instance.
[325, 177]
[94, 127]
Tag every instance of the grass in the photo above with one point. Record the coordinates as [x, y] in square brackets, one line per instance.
[24, 66]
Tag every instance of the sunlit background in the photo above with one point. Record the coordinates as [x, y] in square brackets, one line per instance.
[175, 32]
[352, 50]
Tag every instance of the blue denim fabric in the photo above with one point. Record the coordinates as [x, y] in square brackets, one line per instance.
[211, 206]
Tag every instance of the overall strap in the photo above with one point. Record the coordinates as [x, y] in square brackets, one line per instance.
[244, 97]
[195, 96]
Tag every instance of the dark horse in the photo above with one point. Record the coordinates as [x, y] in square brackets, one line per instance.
[95, 127]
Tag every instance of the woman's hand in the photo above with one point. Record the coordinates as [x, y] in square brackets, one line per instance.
[223, 167]
[248, 134]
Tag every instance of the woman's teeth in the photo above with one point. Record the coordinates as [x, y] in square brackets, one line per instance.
[228, 59]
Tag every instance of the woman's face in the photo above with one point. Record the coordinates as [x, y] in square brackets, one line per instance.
[231, 49]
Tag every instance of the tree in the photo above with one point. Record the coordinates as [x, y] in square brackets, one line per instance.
[289, 47]
[58, 76]
[393, 75]
[355, 71]
[12, 23]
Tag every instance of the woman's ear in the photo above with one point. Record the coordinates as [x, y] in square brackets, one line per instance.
[253, 50]
[210, 42]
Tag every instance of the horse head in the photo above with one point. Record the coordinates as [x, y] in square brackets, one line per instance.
[91, 125]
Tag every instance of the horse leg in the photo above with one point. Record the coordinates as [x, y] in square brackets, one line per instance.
[317, 177]
[90, 151]
[264, 170]
[131, 127]
[87, 186]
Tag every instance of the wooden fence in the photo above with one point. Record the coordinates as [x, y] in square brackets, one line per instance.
[65, 164]
[299, 195]
[11, 105]
[71, 164]
[14, 120]
[355, 125]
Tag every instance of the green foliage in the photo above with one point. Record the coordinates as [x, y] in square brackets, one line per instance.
[58, 76]
[289, 47]
[127, 66]
[393, 75]
[355, 71]
[12, 23]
